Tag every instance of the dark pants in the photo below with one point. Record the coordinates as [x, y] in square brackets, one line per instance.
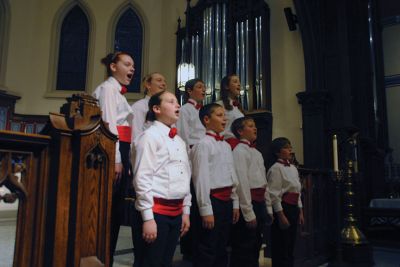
[186, 242]
[209, 246]
[161, 251]
[123, 211]
[283, 241]
[246, 242]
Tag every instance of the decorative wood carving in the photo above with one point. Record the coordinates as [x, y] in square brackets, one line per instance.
[83, 150]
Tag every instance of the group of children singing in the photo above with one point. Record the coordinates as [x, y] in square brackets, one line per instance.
[196, 167]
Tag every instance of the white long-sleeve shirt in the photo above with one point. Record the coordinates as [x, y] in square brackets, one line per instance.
[189, 125]
[139, 123]
[250, 169]
[161, 169]
[212, 168]
[283, 179]
[116, 111]
[231, 115]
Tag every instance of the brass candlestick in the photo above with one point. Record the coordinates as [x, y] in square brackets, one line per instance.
[350, 234]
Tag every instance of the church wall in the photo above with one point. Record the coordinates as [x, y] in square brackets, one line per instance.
[288, 77]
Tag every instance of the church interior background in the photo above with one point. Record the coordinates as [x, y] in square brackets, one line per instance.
[318, 69]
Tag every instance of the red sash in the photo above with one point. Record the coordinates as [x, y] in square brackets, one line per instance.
[169, 207]
[291, 198]
[124, 133]
[258, 194]
[223, 193]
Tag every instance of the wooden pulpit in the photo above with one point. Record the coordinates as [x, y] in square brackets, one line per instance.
[82, 153]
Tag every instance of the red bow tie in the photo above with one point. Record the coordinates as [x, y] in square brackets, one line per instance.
[172, 132]
[124, 90]
[284, 162]
[252, 145]
[235, 103]
[195, 104]
[216, 136]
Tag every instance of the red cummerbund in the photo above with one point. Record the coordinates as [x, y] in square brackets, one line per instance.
[124, 133]
[291, 198]
[169, 207]
[223, 193]
[258, 194]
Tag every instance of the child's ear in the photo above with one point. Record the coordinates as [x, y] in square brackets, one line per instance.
[113, 67]
[240, 132]
[206, 120]
[156, 109]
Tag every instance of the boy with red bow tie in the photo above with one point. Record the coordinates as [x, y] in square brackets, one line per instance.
[254, 199]
[191, 130]
[189, 125]
[162, 178]
[285, 188]
[215, 181]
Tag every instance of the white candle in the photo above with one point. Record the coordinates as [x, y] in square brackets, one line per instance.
[335, 154]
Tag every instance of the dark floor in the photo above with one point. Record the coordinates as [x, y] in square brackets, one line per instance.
[383, 256]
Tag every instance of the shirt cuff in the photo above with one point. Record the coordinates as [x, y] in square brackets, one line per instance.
[236, 204]
[249, 216]
[118, 157]
[269, 210]
[147, 215]
[186, 210]
[277, 206]
[206, 210]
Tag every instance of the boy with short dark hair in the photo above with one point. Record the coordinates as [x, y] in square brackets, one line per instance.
[254, 199]
[215, 181]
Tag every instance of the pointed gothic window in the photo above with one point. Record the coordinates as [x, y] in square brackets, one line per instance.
[129, 38]
[73, 51]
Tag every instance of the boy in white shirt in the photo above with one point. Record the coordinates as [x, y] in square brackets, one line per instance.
[254, 199]
[215, 182]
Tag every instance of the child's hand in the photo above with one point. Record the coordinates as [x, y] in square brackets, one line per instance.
[208, 221]
[185, 224]
[283, 221]
[301, 217]
[118, 172]
[235, 216]
[150, 231]
[270, 219]
[252, 224]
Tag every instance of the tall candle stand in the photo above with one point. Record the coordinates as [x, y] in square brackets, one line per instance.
[350, 233]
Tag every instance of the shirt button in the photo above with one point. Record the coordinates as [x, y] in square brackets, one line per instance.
[181, 172]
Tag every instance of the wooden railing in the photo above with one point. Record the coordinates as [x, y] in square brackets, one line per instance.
[11, 121]
[315, 241]
[64, 185]
[25, 157]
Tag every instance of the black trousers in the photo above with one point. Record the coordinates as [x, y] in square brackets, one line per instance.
[246, 242]
[159, 253]
[283, 241]
[123, 211]
[186, 242]
[209, 246]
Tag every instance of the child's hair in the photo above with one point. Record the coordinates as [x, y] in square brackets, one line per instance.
[275, 147]
[277, 144]
[238, 124]
[147, 79]
[207, 110]
[112, 58]
[155, 100]
[225, 92]
[189, 85]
